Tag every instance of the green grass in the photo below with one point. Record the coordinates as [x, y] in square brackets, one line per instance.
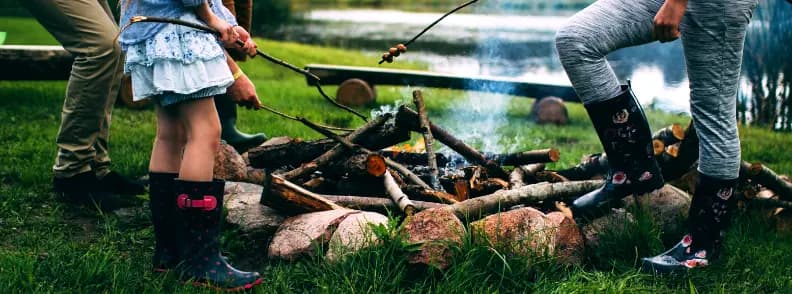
[46, 246]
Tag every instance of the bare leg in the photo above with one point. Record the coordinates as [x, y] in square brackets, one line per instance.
[166, 155]
[203, 139]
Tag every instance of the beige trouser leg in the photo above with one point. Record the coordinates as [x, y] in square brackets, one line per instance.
[86, 28]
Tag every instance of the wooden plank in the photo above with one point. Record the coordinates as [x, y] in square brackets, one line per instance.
[336, 74]
[34, 63]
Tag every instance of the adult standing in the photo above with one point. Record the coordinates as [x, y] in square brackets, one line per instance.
[713, 33]
[86, 29]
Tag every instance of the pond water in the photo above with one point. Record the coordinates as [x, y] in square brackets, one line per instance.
[515, 46]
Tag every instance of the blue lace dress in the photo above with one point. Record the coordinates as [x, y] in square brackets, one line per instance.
[176, 63]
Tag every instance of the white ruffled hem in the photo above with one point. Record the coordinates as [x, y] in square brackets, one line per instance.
[177, 77]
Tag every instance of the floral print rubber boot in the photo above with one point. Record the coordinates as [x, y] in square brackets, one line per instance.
[708, 220]
[627, 140]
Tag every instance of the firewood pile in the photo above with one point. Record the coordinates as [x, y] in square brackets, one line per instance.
[331, 190]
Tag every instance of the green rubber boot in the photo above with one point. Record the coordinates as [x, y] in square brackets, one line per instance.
[227, 112]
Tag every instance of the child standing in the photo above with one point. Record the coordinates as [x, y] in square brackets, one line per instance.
[181, 69]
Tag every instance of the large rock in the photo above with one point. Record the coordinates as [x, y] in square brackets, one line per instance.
[569, 245]
[550, 110]
[354, 233]
[524, 231]
[229, 165]
[299, 235]
[527, 231]
[436, 229]
[255, 221]
[668, 206]
[615, 220]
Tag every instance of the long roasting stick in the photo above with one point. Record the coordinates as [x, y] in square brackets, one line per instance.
[389, 55]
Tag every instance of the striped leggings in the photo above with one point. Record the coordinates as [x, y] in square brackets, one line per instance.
[713, 33]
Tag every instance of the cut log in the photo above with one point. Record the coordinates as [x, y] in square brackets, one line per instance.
[475, 208]
[517, 178]
[401, 199]
[550, 176]
[337, 151]
[291, 199]
[549, 110]
[590, 166]
[658, 147]
[418, 192]
[670, 135]
[525, 157]
[381, 205]
[769, 179]
[426, 131]
[488, 186]
[687, 155]
[407, 117]
[355, 92]
[361, 166]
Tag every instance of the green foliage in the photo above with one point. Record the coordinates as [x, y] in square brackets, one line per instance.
[47, 246]
[269, 15]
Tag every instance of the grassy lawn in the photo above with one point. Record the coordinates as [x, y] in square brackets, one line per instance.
[46, 246]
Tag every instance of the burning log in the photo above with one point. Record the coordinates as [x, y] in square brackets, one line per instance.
[769, 179]
[382, 205]
[550, 176]
[291, 199]
[407, 117]
[337, 151]
[423, 120]
[398, 196]
[489, 186]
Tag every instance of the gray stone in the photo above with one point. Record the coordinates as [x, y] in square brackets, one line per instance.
[354, 233]
[299, 235]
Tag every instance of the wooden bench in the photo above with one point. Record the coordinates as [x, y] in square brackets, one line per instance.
[336, 74]
[24, 62]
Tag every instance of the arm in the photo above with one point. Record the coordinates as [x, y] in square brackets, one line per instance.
[227, 33]
[243, 92]
[667, 20]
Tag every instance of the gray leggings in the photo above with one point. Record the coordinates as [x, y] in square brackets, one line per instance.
[713, 33]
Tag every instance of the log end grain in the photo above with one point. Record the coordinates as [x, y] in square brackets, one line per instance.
[355, 92]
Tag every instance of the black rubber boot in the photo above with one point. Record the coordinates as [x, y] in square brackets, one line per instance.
[200, 205]
[85, 189]
[708, 220]
[627, 140]
[163, 216]
[116, 183]
[227, 111]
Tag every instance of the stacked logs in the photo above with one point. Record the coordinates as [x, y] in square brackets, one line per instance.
[360, 169]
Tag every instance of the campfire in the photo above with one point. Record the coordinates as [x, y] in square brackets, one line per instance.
[331, 189]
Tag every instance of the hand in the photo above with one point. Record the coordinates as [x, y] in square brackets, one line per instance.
[243, 92]
[667, 20]
[250, 46]
[227, 34]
